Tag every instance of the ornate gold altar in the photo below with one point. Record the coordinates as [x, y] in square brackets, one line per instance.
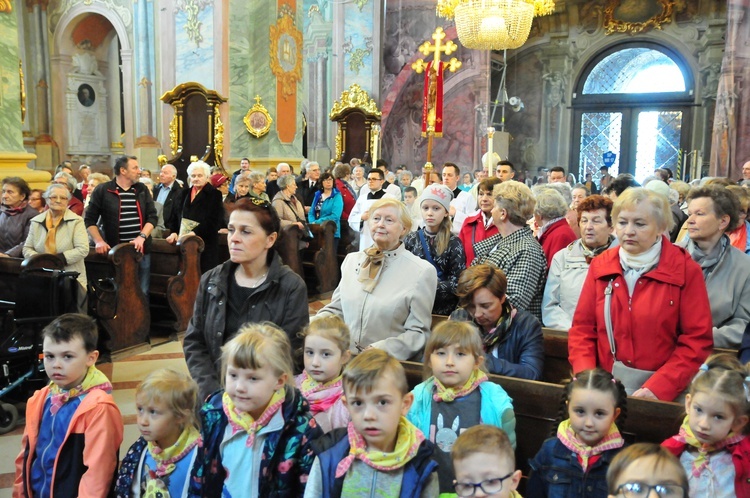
[356, 113]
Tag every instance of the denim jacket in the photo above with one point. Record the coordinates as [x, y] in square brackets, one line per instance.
[556, 473]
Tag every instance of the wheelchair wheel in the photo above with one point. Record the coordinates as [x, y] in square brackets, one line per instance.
[8, 418]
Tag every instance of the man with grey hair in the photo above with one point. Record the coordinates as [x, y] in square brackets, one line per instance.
[168, 193]
[272, 187]
[306, 188]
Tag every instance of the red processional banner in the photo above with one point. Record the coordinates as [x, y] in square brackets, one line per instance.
[432, 101]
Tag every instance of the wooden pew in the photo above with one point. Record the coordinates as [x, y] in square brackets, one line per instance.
[320, 260]
[175, 276]
[537, 404]
[128, 331]
[11, 268]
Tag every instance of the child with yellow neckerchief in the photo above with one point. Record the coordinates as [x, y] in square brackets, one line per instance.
[325, 352]
[73, 426]
[575, 462]
[158, 464]
[380, 452]
[456, 394]
[257, 430]
[712, 445]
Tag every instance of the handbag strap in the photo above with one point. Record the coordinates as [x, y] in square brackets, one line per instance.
[608, 318]
[427, 255]
[294, 211]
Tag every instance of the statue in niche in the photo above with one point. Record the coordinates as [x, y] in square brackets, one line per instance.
[84, 62]
[554, 95]
[712, 72]
[86, 95]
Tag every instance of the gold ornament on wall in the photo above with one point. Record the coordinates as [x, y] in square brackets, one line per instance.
[218, 136]
[257, 120]
[5, 6]
[173, 127]
[23, 91]
[636, 16]
[286, 51]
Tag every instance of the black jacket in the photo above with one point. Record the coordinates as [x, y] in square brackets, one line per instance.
[171, 205]
[208, 210]
[105, 202]
[305, 193]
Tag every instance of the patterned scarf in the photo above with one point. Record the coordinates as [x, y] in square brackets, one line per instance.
[94, 379]
[166, 458]
[568, 438]
[407, 443]
[12, 211]
[50, 243]
[708, 261]
[320, 396]
[448, 394]
[686, 436]
[590, 254]
[495, 335]
[369, 272]
[243, 421]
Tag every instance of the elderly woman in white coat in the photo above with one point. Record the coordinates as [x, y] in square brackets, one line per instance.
[571, 264]
[712, 211]
[61, 232]
[386, 293]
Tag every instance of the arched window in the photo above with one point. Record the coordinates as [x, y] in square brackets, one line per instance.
[632, 101]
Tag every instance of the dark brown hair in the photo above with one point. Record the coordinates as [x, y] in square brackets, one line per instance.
[475, 277]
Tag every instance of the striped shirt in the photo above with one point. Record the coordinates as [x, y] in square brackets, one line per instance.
[130, 222]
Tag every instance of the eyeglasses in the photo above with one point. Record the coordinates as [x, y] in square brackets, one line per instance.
[641, 490]
[489, 486]
[374, 179]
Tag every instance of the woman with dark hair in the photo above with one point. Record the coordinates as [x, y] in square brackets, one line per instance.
[712, 212]
[342, 181]
[513, 341]
[201, 214]
[479, 226]
[327, 204]
[643, 313]
[15, 215]
[570, 265]
[253, 286]
[36, 200]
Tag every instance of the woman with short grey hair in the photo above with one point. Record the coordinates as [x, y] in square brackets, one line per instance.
[553, 232]
[66, 179]
[289, 208]
[258, 186]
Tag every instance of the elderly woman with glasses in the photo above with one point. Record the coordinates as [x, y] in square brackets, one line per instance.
[386, 293]
[253, 286]
[200, 213]
[61, 232]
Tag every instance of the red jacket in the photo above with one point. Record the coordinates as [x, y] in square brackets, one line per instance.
[92, 439]
[740, 457]
[666, 325]
[558, 236]
[473, 231]
[347, 197]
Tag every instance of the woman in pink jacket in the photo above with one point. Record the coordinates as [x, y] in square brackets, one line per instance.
[658, 305]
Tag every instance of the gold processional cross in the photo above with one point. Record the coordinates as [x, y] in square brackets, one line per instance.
[432, 107]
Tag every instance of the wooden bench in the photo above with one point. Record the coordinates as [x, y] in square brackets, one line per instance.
[320, 259]
[175, 276]
[128, 330]
[537, 405]
[11, 268]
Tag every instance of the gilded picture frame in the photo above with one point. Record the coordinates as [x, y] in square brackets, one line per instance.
[258, 120]
[636, 16]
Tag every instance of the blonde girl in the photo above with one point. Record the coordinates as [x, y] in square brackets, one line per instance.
[438, 246]
[325, 352]
[456, 394]
[591, 404]
[711, 445]
[257, 430]
[159, 462]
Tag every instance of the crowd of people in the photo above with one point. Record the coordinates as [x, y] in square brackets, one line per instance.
[643, 304]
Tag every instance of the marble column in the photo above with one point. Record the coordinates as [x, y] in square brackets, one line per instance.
[47, 151]
[13, 157]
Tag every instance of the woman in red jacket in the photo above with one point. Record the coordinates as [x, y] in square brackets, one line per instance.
[658, 305]
[479, 226]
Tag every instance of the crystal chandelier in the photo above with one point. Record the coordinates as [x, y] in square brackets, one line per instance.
[490, 24]
[543, 7]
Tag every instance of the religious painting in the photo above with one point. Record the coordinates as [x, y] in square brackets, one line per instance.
[258, 120]
[636, 16]
[86, 95]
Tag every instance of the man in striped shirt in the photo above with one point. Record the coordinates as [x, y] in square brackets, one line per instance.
[127, 214]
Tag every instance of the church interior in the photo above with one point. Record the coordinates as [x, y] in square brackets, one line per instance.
[658, 83]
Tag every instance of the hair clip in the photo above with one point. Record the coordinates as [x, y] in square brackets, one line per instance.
[575, 379]
[614, 381]
[747, 389]
[704, 368]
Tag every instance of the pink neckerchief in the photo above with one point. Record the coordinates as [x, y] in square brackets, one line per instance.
[568, 438]
[321, 397]
[94, 379]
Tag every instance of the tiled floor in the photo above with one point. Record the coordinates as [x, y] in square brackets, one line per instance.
[125, 375]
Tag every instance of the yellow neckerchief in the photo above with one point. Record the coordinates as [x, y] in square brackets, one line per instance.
[448, 394]
[50, 243]
[568, 438]
[369, 271]
[166, 458]
[407, 444]
[319, 396]
[686, 436]
[94, 379]
[243, 421]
